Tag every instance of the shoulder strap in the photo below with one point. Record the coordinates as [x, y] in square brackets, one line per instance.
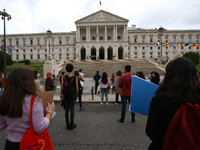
[31, 106]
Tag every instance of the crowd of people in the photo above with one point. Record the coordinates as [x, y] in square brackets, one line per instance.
[178, 96]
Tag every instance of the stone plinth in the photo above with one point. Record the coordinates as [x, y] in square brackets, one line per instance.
[49, 66]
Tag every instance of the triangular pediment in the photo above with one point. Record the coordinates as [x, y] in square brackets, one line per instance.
[101, 16]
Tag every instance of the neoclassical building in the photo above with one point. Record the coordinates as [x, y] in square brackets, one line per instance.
[101, 36]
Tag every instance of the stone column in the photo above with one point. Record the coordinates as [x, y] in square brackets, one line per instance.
[124, 33]
[106, 53]
[105, 33]
[113, 33]
[97, 33]
[86, 29]
[97, 53]
[89, 33]
[116, 33]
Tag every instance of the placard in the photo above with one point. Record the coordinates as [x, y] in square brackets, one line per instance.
[141, 93]
[47, 97]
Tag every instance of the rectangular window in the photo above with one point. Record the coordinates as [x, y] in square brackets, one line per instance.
[135, 55]
[151, 48]
[197, 41]
[60, 56]
[31, 42]
[68, 49]
[135, 48]
[17, 57]
[159, 48]
[158, 54]
[45, 41]
[38, 50]
[31, 57]
[60, 49]
[38, 42]
[174, 39]
[182, 39]
[143, 55]
[166, 54]
[38, 57]
[151, 55]
[67, 41]
[45, 56]
[143, 39]
[24, 57]
[17, 43]
[31, 50]
[135, 40]
[45, 50]
[60, 41]
[151, 39]
[174, 47]
[143, 48]
[24, 50]
[24, 42]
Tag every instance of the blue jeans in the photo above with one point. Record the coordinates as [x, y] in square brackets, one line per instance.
[123, 111]
[104, 91]
[1, 90]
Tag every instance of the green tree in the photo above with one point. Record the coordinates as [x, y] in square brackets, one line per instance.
[9, 61]
[192, 56]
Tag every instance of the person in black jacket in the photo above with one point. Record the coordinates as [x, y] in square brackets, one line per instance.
[49, 84]
[180, 85]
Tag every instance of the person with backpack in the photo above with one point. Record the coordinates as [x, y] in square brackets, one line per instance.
[70, 92]
[49, 83]
[96, 79]
[174, 115]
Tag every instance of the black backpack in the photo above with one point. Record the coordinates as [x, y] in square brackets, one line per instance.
[69, 86]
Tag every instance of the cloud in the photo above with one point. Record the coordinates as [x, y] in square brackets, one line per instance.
[39, 15]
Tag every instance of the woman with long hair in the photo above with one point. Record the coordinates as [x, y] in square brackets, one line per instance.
[37, 81]
[15, 107]
[104, 82]
[180, 85]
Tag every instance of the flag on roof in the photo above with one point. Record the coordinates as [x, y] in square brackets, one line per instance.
[10, 50]
[100, 2]
[193, 46]
[152, 43]
[186, 44]
[165, 44]
[172, 45]
[158, 43]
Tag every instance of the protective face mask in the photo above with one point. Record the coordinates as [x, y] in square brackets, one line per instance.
[38, 75]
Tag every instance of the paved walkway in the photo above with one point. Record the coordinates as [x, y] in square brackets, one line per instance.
[88, 98]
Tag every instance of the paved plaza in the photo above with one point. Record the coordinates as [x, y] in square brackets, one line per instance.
[97, 129]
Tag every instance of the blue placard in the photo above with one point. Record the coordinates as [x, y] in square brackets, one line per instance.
[141, 93]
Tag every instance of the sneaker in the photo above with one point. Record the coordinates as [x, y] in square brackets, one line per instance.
[120, 121]
[116, 103]
[101, 103]
[82, 109]
[133, 121]
[72, 126]
[107, 103]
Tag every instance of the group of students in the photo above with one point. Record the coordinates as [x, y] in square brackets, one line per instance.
[173, 121]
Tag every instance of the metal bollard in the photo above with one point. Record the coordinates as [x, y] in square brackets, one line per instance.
[92, 93]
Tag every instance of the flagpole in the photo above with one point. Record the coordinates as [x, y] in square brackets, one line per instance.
[4, 14]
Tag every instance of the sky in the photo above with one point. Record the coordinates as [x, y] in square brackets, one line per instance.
[37, 16]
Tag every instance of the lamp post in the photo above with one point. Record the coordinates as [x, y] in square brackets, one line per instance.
[4, 14]
[49, 36]
[161, 30]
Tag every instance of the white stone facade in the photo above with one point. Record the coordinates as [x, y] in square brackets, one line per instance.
[102, 35]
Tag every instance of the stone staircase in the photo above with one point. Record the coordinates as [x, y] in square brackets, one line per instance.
[90, 67]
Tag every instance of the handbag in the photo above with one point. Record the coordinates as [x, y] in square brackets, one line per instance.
[118, 90]
[33, 140]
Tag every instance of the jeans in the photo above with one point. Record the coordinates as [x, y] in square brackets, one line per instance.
[69, 110]
[104, 91]
[96, 86]
[1, 90]
[80, 97]
[123, 111]
[116, 98]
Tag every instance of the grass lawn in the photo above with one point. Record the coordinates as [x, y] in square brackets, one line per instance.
[33, 66]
